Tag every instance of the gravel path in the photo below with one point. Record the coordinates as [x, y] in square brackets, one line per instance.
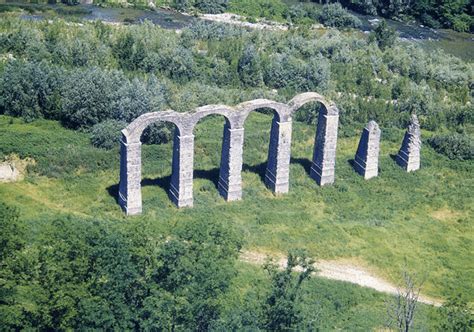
[342, 271]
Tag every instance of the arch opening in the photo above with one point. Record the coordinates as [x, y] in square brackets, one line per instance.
[267, 149]
[210, 134]
[324, 117]
[134, 174]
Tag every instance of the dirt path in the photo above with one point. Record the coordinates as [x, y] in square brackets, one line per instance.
[342, 271]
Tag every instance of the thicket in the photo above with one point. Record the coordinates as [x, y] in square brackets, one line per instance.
[85, 74]
[454, 146]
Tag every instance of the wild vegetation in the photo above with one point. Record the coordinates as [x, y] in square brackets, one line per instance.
[71, 260]
[453, 14]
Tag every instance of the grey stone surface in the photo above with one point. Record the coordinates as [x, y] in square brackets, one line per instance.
[277, 174]
[130, 193]
[366, 161]
[230, 180]
[324, 153]
[181, 186]
[409, 155]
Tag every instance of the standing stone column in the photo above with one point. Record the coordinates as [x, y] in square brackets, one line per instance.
[324, 155]
[130, 193]
[277, 173]
[230, 174]
[366, 161]
[181, 187]
[409, 155]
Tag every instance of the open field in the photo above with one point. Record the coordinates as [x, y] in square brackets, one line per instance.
[421, 222]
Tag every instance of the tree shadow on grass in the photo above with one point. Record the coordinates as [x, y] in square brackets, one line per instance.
[352, 163]
[306, 163]
[258, 169]
[165, 181]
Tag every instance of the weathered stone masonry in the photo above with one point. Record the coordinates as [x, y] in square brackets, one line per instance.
[409, 155]
[230, 180]
[366, 161]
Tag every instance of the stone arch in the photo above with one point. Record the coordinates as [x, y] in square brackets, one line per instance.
[278, 160]
[230, 178]
[130, 196]
[325, 141]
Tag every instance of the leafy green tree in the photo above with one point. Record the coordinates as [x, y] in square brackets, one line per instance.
[12, 235]
[30, 90]
[212, 6]
[335, 15]
[195, 270]
[89, 96]
[250, 67]
[281, 310]
[383, 35]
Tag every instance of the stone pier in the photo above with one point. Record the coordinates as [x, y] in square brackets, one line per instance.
[230, 175]
[366, 161]
[277, 174]
[324, 154]
[130, 192]
[409, 155]
[181, 186]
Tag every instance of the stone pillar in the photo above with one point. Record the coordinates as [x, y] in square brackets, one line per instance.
[366, 161]
[409, 155]
[324, 155]
[230, 175]
[278, 165]
[181, 187]
[130, 193]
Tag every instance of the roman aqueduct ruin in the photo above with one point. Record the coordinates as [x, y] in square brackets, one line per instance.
[230, 180]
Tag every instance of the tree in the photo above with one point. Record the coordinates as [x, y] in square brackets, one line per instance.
[89, 96]
[383, 35]
[12, 235]
[281, 310]
[30, 90]
[249, 67]
[334, 15]
[401, 311]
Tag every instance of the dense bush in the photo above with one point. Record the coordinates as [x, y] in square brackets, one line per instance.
[335, 15]
[31, 90]
[454, 146]
[106, 134]
[120, 74]
[81, 274]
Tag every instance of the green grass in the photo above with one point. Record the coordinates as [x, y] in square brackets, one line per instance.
[420, 221]
[327, 305]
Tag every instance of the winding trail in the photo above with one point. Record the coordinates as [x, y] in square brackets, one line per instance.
[342, 271]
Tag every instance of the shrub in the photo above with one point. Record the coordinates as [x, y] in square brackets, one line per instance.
[383, 35]
[454, 146]
[334, 15]
[30, 90]
[158, 133]
[106, 134]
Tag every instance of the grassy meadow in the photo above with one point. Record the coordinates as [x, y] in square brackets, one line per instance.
[421, 222]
